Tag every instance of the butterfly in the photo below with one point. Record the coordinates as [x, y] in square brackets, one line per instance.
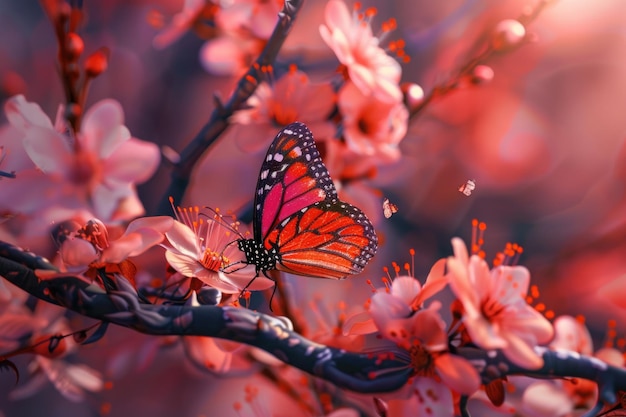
[299, 224]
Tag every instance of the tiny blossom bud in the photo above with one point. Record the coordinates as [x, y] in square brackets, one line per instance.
[72, 111]
[64, 230]
[413, 94]
[507, 34]
[481, 74]
[74, 46]
[97, 62]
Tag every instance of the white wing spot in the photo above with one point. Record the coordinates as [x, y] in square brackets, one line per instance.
[278, 157]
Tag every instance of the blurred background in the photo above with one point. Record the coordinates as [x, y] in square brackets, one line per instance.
[543, 142]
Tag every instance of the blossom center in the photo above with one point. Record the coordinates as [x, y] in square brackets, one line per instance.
[491, 308]
[422, 360]
[213, 261]
[85, 169]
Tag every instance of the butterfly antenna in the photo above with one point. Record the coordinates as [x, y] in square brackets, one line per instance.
[218, 217]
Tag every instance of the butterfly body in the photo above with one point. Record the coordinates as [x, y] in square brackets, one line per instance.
[300, 225]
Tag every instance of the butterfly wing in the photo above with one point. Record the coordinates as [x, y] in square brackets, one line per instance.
[292, 177]
[330, 239]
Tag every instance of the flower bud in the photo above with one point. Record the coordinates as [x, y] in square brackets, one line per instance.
[507, 34]
[74, 46]
[413, 95]
[97, 62]
[481, 74]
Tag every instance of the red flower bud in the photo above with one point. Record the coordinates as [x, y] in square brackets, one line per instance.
[97, 62]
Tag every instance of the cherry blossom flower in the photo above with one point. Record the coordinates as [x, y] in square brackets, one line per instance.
[238, 31]
[496, 314]
[404, 295]
[368, 65]
[90, 246]
[292, 98]
[417, 334]
[372, 127]
[200, 247]
[97, 169]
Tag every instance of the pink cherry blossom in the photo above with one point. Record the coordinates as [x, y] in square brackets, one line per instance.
[372, 127]
[90, 245]
[397, 316]
[98, 169]
[201, 247]
[292, 98]
[369, 67]
[405, 295]
[496, 314]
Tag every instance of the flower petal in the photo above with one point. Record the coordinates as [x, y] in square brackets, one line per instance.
[103, 128]
[457, 373]
[134, 161]
[48, 149]
[24, 115]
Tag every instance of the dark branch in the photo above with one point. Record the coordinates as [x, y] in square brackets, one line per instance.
[218, 122]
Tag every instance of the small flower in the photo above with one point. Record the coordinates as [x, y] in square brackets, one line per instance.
[372, 127]
[415, 333]
[368, 65]
[292, 98]
[90, 245]
[496, 314]
[198, 246]
[98, 168]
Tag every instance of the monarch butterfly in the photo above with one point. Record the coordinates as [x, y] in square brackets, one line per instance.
[299, 224]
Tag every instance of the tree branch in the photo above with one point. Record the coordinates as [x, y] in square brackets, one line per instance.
[361, 372]
[218, 122]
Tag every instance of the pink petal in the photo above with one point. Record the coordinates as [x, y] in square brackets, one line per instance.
[24, 115]
[106, 200]
[78, 252]
[429, 398]
[103, 128]
[405, 288]
[457, 373]
[358, 324]
[528, 321]
[483, 333]
[611, 356]
[161, 224]
[520, 352]
[183, 240]
[134, 161]
[544, 399]
[435, 281]
[337, 15]
[186, 265]
[428, 326]
[132, 244]
[510, 283]
[462, 287]
[386, 306]
[48, 149]
[460, 250]
[222, 56]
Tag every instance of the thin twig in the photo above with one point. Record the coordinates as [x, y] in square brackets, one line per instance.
[218, 121]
